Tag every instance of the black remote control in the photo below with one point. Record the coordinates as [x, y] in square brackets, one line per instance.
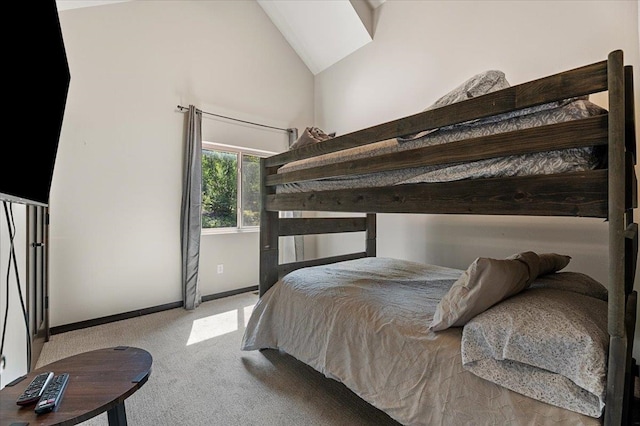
[33, 392]
[52, 395]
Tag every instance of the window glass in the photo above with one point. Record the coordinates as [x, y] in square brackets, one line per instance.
[250, 190]
[230, 187]
[219, 189]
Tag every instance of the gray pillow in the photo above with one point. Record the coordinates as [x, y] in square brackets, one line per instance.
[552, 262]
[489, 281]
[309, 136]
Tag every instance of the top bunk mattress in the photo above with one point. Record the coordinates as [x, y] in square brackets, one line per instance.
[549, 162]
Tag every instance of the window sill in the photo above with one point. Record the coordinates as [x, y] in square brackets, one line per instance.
[229, 231]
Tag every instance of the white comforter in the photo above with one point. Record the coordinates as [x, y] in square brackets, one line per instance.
[365, 323]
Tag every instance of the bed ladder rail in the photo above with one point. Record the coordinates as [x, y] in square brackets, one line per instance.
[285, 268]
[314, 225]
[273, 226]
[629, 377]
[623, 238]
[328, 225]
[630, 243]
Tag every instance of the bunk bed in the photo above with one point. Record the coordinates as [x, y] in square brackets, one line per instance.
[361, 319]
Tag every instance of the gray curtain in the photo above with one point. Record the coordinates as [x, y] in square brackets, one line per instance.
[190, 218]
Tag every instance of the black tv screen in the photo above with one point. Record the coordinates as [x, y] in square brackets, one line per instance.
[38, 81]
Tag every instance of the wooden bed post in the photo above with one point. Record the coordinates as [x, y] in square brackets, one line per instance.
[631, 193]
[269, 232]
[371, 235]
[616, 209]
[631, 240]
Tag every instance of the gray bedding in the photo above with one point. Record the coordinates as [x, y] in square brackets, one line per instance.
[366, 323]
[558, 161]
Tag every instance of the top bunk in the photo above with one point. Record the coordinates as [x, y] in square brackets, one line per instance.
[350, 173]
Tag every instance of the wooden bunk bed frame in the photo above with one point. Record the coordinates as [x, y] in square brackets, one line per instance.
[609, 193]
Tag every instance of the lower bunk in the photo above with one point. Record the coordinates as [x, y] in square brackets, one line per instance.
[390, 331]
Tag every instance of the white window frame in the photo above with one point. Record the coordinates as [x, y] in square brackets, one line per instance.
[216, 146]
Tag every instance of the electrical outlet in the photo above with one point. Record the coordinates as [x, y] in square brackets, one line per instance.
[220, 269]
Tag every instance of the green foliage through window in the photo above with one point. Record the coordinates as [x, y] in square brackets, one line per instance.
[230, 184]
[250, 190]
[219, 189]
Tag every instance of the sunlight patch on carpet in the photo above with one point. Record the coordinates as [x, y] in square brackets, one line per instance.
[219, 324]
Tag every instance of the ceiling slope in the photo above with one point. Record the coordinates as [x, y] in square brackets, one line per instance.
[75, 4]
[323, 32]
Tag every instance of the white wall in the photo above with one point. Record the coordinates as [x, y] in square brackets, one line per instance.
[116, 192]
[116, 188]
[420, 51]
[15, 340]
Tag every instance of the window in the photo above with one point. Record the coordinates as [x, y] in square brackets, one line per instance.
[230, 187]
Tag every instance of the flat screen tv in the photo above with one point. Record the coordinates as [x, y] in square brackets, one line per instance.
[38, 81]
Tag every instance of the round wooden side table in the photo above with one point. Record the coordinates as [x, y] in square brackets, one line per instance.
[99, 381]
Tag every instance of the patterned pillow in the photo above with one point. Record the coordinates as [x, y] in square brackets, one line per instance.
[488, 281]
[548, 344]
[478, 85]
[573, 281]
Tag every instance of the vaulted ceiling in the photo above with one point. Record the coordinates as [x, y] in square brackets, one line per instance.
[321, 32]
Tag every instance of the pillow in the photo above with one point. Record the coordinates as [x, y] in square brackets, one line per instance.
[547, 344]
[479, 84]
[309, 136]
[572, 281]
[488, 281]
[552, 262]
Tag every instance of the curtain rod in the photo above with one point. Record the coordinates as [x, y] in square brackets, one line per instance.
[237, 119]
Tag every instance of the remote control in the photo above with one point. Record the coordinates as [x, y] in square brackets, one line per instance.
[33, 392]
[52, 395]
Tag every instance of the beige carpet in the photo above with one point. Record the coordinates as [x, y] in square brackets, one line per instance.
[200, 376]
